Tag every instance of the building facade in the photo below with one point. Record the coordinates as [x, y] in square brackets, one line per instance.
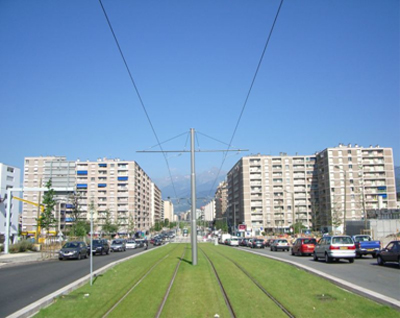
[111, 190]
[273, 193]
[209, 211]
[221, 201]
[169, 211]
[10, 177]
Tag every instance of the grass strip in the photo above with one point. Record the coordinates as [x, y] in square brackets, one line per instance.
[304, 294]
[107, 289]
[146, 298]
[246, 298]
[196, 292]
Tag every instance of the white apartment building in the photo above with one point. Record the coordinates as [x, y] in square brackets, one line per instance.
[169, 211]
[119, 190]
[273, 193]
[10, 177]
[353, 180]
[221, 200]
[209, 211]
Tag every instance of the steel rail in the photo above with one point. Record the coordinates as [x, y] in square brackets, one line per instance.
[226, 298]
[160, 309]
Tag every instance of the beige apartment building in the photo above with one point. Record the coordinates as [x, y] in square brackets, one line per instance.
[113, 189]
[169, 211]
[221, 201]
[272, 193]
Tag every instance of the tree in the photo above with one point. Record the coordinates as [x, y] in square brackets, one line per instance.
[131, 225]
[47, 219]
[79, 226]
[109, 227]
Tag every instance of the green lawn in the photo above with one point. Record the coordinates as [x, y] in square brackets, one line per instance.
[196, 292]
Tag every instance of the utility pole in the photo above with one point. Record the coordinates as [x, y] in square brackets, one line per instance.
[193, 189]
[193, 235]
[38, 215]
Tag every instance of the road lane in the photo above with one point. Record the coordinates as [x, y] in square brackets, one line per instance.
[23, 284]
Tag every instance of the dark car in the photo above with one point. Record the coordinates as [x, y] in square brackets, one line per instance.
[140, 242]
[157, 242]
[118, 245]
[269, 242]
[256, 243]
[73, 250]
[100, 247]
[391, 253]
[303, 246]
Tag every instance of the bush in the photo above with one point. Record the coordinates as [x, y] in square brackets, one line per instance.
[21, 246]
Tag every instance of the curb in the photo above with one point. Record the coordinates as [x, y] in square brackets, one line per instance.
[340, 282]
[33, 308]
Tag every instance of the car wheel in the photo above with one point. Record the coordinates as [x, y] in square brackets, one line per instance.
[86, 256]
[79, 256]
[380, 261]
[374, 255]
[351, 260]
[61, 258]
[108, 252]
[271, 249]
[315, 258]
[292, 252]
[328, 259]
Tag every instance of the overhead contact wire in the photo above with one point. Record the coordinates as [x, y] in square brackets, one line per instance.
[137, 92]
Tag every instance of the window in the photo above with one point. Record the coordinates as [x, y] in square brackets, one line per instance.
[10, 169]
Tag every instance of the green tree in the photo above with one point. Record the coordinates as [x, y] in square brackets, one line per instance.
[131, 225]
[47, 219]
[78, 227]
[109, 227]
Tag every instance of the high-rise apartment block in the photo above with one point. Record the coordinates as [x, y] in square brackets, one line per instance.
[10, 177]
[272, 193]
[221, 201]
[114, 190]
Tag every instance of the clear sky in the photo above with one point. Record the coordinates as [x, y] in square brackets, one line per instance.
[330, 75]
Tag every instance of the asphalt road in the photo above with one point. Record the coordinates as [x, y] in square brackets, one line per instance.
[25, 283]
[364, 272]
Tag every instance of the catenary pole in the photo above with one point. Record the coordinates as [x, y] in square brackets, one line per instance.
[193, 190]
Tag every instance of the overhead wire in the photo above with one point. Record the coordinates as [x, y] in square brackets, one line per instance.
[138, 93]
[248, 93]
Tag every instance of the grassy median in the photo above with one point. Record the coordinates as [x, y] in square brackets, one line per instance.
[196, 292]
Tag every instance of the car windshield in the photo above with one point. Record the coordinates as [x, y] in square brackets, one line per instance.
[117, 242]
[282, 241]
[259, 241]
[309, 241]
[363, 238]
[71, 245]
[342, 240]
[96, 242]
[130, 242]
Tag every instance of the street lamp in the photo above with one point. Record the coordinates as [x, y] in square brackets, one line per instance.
[345, 198]
[293, 209]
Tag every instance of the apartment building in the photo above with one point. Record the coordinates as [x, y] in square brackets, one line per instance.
[221, 200]
[169, 211]
[272, 193]
[352, 180]
[10, 177]
[114, 190]
[209, 211]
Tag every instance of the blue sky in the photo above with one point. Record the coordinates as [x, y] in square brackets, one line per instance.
[330, 75]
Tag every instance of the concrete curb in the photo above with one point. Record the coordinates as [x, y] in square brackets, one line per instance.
[33, 308]
[342, 283]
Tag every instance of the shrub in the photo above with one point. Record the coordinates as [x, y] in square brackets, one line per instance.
[21, 246]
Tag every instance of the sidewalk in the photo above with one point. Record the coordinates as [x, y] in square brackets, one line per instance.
[13, 258]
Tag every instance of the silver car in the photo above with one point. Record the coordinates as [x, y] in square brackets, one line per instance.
[335, 247]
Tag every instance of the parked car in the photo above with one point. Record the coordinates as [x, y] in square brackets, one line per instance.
[157, 242]
[243, 242]
[335, 247]
[140, 242]
[366, 245]
[118, 245]
[391, 253]
[100, 247]
[73, 249]
[269, 242]
[233, 241]
[303, 246]
[131, 244]
[280, 244]
[256, 243]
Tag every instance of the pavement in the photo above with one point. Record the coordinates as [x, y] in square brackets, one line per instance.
[16, 258]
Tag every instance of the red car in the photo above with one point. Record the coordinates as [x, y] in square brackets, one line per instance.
[303, 246]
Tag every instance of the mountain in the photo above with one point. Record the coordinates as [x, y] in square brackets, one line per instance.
[206, 185]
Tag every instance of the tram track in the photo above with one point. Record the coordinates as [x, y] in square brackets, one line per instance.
[245, 272]
[137, 283]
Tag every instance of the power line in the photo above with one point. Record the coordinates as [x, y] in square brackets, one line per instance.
[137, 91]
[249, 92]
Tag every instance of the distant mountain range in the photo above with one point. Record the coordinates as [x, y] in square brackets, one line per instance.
[206, 185]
